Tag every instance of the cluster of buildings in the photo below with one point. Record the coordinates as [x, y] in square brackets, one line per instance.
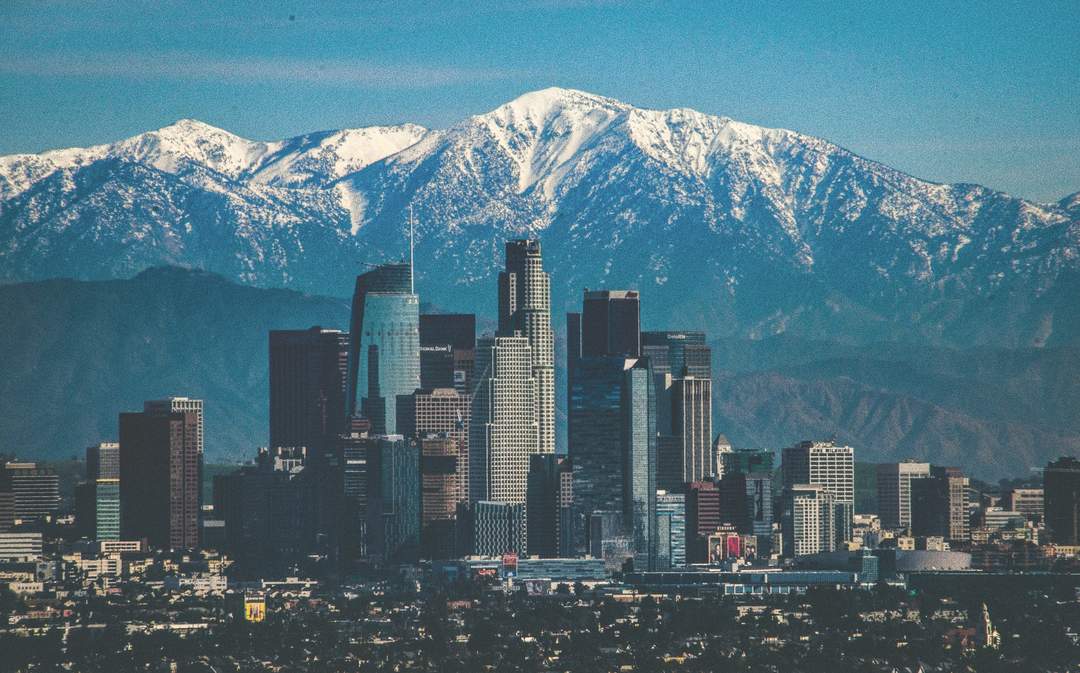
[409, 438]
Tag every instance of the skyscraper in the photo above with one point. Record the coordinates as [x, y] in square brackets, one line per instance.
[384, 344]
[525, 310]
[1061, 488]
[611, 323]
[161, 451]
[639, 461]
[831, 466]
[894, 491]
[746, 461]
[670, 530]
[691, 417]
[594, 433]
[103, 461]
[445, 412]
[504, 428]
[35, 490]
[97, 501]
[809, 520]
[939, 504]
[439, 495]
[307, 388]
[702, 519]
[447, 350]
[394, 498]
[549, 506]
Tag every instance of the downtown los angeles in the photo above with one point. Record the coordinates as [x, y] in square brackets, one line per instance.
[496, 373]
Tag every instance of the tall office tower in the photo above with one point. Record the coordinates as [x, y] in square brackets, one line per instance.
[498, 528]
[759, 509]
[342, 529]
[721, 447]
[894, 492]
[307, 388]
[611, 323]
[691, 417]
[639, 460]
[394, 498]
[439, 495]
[161, 450]
[1028, 501]
[1061, 486]
[679, 353]
[829, 465]
[939, 505]
[525, 310]
[702, 519]
[103, 461]
[440, 411]
[384, 344]
[447, 350]
[669, 462]
[670, 530]
[594, 433]
[504, 429]
[549, 506]
[747, 461]
[97, 501]
[35, 490]
[809, 520]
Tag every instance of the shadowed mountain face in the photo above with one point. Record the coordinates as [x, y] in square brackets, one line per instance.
[78, 353]
[743, 231]
[82, 351]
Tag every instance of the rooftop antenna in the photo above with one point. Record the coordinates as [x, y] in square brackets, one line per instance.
[412, 272]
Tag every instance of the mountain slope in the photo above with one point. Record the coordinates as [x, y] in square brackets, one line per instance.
[741, 230]
[85, 351]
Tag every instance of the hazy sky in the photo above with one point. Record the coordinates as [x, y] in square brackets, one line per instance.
[982, 92]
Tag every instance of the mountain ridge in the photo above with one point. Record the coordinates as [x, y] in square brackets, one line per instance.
[784, 232]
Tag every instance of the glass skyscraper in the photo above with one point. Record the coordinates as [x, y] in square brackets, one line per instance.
[639, 461]
[384, 344]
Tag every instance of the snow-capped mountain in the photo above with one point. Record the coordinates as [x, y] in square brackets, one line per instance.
[735, 228]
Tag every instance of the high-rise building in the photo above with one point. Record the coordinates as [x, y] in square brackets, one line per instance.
[639, 460]
[679, 353]
[691, 417]
[35, 490]
[504, 428]
[939, 505]
[447, 350]
[809, 520]
[703, 517]
[440, 411]
[746, 461]
[721, 447]
[498, 528]
[161, 452]
[1028, 501]
[103, 461]
[394, 499]
[1061, 486]
[611, 324]
[307, 388]
[549, 506]
[894, 492]
[829, 465]
[525, 310]
[7, 511]
[594, 435]
[439, 495]
[670, 530]
[384, 344]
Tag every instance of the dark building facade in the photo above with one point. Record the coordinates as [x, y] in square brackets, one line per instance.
[549, 506]
[1061, 492]
[746, 461]
[307, 388]
[447, 350]
[393, 511]
[161, 473]
[35, 490]
[703, 517]
[611, 324]
[439, 495]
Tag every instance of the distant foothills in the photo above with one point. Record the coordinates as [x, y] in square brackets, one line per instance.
[841, 298]
[997, 412]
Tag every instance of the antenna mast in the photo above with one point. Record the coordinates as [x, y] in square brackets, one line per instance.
[412, 270]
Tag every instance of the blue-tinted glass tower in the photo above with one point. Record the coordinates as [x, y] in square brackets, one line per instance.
[384, 344]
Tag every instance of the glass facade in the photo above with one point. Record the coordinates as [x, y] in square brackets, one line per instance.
[670, 530]
[639, 462]
[107, 509]
[389, 357]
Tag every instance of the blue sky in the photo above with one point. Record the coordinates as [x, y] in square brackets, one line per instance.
[980, 92]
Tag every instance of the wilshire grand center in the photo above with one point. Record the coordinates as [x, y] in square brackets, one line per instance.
[384, 349]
